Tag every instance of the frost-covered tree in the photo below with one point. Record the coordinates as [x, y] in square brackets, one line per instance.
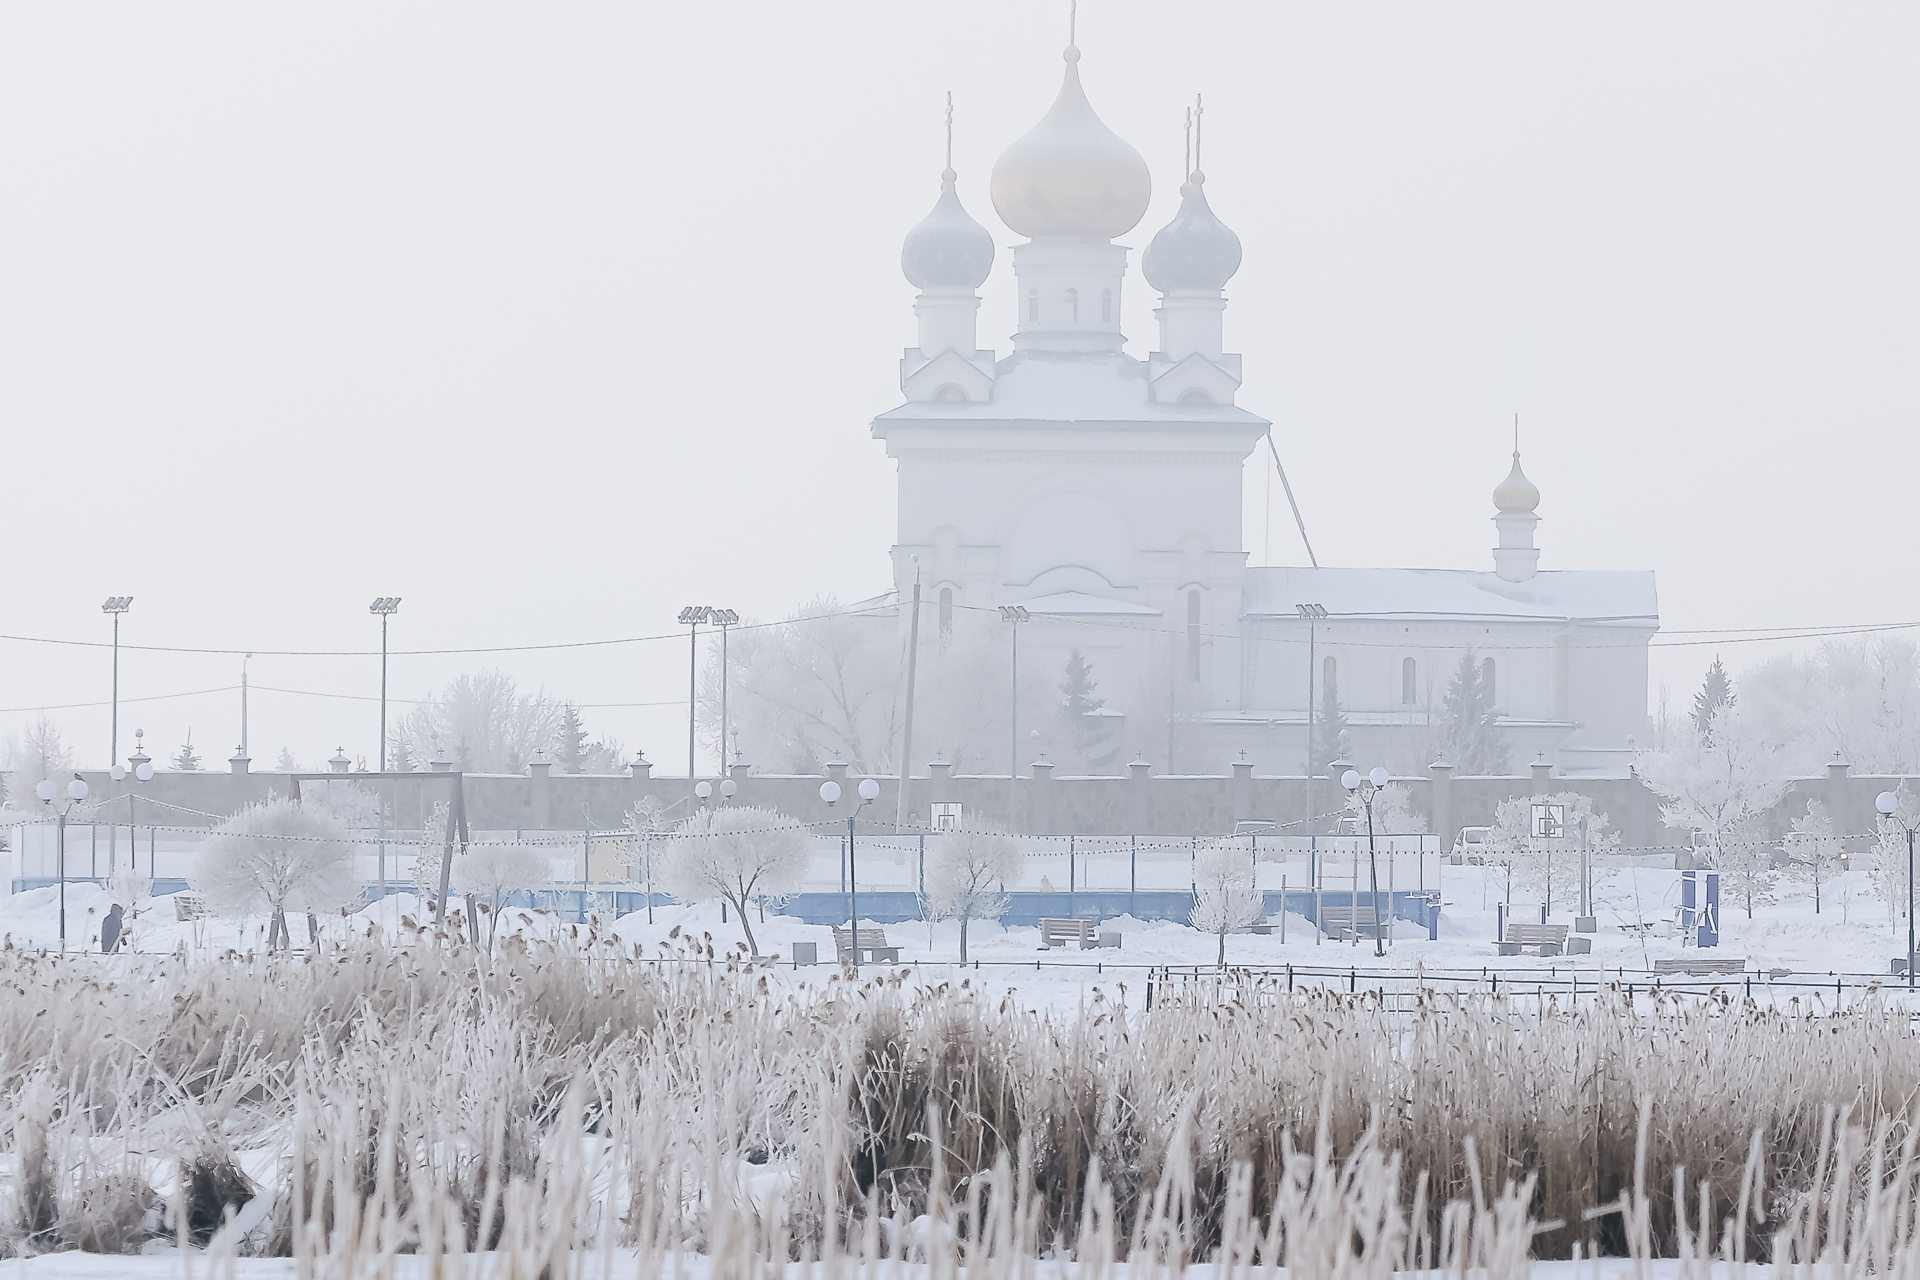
[647, 826]
[186, 757]
[484, 719]
[1471, 737]
[33, 755]
[1721, 783]
[1812, 849]
[738, 854]
[1548, 865]
[1887, 858]
[1331, 734]
[574, 750]
[1393, 811]
[1087, 734]
[1716, 692]
[1857, 700]
[275, 856]
[491, 874]
[1224, 894]
[286, 763]
[967, 874]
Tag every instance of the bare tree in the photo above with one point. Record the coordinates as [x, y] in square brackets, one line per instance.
[31, 757]
[492, 873]
[1720, 784]
[1813, 851]
[483, 722]
[272, 856]
[967, 874]
[1225, 897]
[738, 854]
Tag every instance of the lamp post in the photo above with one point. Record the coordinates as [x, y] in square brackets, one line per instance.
[1889, 806]
[385, 607]
[115, 606]
[1014, 615]
[76, 792]
[692, 616]
[1311, 614]
[724, 619]
[142, 772]
[869, 792]
[1367, 788]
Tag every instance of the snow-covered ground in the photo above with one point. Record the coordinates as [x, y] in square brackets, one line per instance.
[1850, 939]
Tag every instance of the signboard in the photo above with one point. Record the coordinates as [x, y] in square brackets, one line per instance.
[1549, 820]
[946, 816]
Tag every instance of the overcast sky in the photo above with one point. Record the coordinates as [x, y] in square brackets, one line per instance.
[552, 319]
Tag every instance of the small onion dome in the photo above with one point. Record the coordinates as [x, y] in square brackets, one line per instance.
[1071, 178]
[1516, 495]
[1194, 251]
[947, 249]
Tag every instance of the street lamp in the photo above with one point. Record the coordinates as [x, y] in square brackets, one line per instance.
[869, 792]
[76, 792]
[142, 772]
[115, 605]
[1889, 806]
[728, 788]
[723, 619]
[1311, 614]
[1372, 784]
[704, 790]
[692, 616]
[1014, 615]
[386, 607]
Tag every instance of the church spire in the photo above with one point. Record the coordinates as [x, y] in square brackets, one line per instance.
[1514, 499]
[947, 256]
[1190, 262]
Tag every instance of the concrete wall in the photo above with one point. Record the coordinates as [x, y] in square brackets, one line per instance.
[1038, 802]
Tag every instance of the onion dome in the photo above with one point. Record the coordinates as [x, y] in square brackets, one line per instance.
[947, 249]
[1071, 178]
[1516, 496]
[1194, 251]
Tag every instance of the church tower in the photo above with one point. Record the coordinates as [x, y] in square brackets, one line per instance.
[1100, 491]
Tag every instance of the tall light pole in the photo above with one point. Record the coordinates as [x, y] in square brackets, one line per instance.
[1372, 783]
[1312, 614]
[906, 731]
[243, 708]
[724, 619]
[115, 605]
[1889, 806]
[692, 616]
[76, 792]
[385, 607]
[1014, 615]
[869, 791]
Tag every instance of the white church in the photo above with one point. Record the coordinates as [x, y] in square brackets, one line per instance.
[1101, 492]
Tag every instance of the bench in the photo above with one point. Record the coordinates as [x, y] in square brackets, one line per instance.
[1700, 966]
[1348, 922]
[872, 941]
[189, 906]
[1551, 939]
[1058, 933]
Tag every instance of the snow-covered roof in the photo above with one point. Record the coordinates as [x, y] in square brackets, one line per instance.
[1104, 390]
[1065, 603]
[1593, 596]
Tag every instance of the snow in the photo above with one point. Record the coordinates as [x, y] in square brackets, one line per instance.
[1593, 596]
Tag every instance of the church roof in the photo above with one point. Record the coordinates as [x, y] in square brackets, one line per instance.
[1592, 596]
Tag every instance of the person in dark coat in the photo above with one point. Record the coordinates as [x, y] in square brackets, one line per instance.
[110, 931]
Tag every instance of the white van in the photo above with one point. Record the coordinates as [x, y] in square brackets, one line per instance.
[1470, 846]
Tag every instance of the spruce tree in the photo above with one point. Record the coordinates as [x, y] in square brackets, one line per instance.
[1716, 692]
[1469, 722]
[1332, 729]
[572, 752]
[186, 757]
[1080, 706]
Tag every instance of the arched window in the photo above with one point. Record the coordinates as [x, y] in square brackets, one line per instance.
[1194, 395]
[946, 614]
[1408, 670]
[1487, 687]
[1193, 635]
[1073, 305]
[1106, 306]
[1033, 305]
[950, 393]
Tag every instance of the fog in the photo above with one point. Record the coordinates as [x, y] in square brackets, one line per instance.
[552, 321]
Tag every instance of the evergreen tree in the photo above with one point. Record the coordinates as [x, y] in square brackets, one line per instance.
[1716, 692]
[187, 757]
[1090, 733]
[1469, 722]
[1332, 729]
[286, 763]
[571, 750]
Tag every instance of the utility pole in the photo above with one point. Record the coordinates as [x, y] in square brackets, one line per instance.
[243, 709]
[906, 734]
[385, 607]
[1015, 615]
[1312, 613]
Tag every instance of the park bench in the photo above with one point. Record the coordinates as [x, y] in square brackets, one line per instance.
[189, 906]
[1348, 922]
[1551, 939]
[1700, 966]
[1058, 933]
[871, 941]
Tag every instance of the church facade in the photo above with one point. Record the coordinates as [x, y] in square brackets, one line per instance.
[1101, 493]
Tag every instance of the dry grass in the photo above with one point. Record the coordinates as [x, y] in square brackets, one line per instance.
[575, 1097]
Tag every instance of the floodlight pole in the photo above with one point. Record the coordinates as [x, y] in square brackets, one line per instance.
[1312, 613]
[906, 732]
[115, 606]
[1015, 615]
[386, 607]
[692, 616]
